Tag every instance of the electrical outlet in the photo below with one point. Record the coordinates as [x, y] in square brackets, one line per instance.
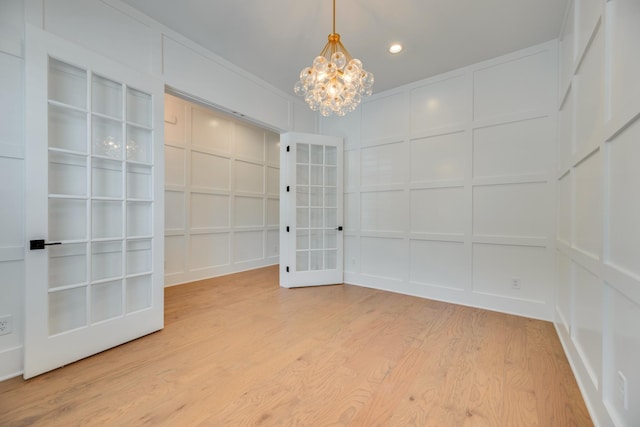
[623, 390]
[6, 324]
[515, 283]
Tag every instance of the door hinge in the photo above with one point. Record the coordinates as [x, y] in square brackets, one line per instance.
[287, 269]
[287, 228]
[288, 188]
[288, 148]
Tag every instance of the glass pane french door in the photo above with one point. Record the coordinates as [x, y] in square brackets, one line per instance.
[311, 225]
[92, 178]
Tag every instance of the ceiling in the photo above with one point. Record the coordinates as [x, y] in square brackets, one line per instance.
[275, 39]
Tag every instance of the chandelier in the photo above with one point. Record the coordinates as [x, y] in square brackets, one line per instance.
[335, 83]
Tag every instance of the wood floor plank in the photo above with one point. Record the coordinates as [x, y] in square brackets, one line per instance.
[239, 350]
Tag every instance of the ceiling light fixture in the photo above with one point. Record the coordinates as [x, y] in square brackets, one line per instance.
[335, 83]
[395, 48]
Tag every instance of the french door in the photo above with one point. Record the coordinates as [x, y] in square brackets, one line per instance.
[94, 171]
[311, 237]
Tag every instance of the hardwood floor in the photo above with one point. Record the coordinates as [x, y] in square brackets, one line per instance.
[239, 351]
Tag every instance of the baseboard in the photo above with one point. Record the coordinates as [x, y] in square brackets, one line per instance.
[10, 363]
[592, 396]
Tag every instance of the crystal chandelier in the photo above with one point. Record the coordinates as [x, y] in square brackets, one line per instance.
[335, 83]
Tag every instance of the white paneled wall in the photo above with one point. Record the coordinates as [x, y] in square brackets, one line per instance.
[12, 212]
[598, 233]
[450, 185]
[221, 193]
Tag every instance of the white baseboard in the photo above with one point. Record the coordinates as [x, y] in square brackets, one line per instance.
[591, 395]
[10, 363]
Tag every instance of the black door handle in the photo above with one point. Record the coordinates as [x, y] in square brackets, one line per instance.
[339, 228]
[40, 244]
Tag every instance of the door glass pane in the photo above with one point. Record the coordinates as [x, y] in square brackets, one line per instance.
[107, 138]
[139, 256]
[316, 175]
[302, 261]
[331, 259]
[106, 178]
[106, 97]
[67, 174]
[317, 154]
[106, 260]
[67, 310]
[330, 217]
[315, 239]
[67, 219]
[138, 295]
[302, 155]
[139, 182]
[138, 144]
[67, 129]
[315, 218]
[138, 107]
[330, 197]
[302, 239]
[330, 239]
[331, 156]
[106, 219]
[67, 84]
[106, 301]
[302, 174]
[302, 217]
[138, 219]
[302, 195]
[330, 176]
[67, 264]
[315, 260]
[315, 196]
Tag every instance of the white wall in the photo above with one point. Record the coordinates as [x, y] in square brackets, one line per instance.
[450, 185]
[11, 184]
[598, 238]
[222, 193]
[116, 31]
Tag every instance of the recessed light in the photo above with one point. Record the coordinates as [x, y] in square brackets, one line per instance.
[395, 48]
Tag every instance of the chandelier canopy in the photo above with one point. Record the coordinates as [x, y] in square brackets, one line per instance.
[336, 82]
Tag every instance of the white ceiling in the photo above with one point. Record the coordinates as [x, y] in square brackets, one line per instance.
[275, 39]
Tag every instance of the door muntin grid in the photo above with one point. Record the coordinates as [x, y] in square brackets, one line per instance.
[100, 174]
[316, 216]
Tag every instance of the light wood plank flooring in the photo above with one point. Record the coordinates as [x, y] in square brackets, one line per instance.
[240, 351]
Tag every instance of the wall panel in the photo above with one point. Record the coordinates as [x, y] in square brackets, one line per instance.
[587, 319]
[520, 85]
[437, 263]
[511, 210]
[221, 194]
[439, 158]
[440, 104]
[496, 266]
[598, 208]
[587, 214]
[623, 210]
[384, 165]
[438, 211]
[589, 82]
[382, 211]
[624, 96]
[383, 119]
[426, 182]
[383, 258]
[511, 149]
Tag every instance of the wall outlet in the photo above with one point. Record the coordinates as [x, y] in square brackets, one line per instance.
[623, 390]
[515, 283]
[6, 324]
